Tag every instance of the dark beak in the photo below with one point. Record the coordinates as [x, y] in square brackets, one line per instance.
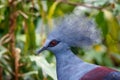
[40, 50]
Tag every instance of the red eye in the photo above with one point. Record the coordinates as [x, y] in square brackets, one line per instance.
[53, 43]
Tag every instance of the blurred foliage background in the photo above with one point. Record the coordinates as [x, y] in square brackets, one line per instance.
[24, 25]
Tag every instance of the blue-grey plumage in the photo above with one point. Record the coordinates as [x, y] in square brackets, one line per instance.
[76, 31]
[79, 32]
[69, 66]
[113, 76]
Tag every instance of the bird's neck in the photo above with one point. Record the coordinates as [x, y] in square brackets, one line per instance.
[66, 60]
[67, 56]
[70, 67]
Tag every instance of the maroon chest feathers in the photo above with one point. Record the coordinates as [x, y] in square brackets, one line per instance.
[98, 73]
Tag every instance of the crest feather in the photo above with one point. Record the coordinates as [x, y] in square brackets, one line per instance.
[76, 31]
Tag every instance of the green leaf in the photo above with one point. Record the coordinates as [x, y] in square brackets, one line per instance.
[30, 36]
[112, 38]
[46, 67]
[102, 23]
[113, 24]
[61, 9]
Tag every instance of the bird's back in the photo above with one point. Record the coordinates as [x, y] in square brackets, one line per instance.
[101, 73]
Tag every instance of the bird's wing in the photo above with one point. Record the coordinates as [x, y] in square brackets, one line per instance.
[113, 76]
[102, 73]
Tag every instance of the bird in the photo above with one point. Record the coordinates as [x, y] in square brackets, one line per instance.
[76, 31]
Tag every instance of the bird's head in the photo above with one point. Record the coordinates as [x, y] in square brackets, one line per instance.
[73, 31]
[54, 45]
